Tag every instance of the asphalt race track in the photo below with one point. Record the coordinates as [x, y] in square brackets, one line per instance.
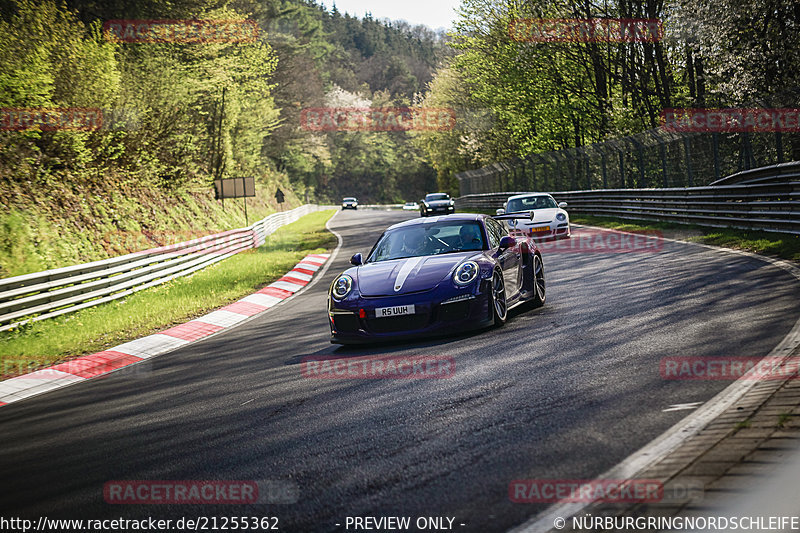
[565, 391]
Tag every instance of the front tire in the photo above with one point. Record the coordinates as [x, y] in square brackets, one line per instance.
[499, 303]
[539, 292]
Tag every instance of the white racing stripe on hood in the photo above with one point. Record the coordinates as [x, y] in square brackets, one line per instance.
[410, 264]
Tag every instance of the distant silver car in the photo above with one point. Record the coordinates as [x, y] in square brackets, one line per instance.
[349, 203]
[550, 220]
[410, 206]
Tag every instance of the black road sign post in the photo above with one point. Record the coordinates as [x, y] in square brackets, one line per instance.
[235, 188]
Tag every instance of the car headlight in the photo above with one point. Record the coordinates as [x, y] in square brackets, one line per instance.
[561, 217]
[466, 273]
[452, 202]
[342, 286]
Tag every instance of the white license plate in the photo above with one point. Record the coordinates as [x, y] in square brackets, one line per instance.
[381, 312]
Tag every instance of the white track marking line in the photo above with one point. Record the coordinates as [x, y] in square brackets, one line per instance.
[222, 318]
[682, 407]
[286, 285]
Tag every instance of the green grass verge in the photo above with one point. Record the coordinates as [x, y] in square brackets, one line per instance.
[782, 245]
[91, 330]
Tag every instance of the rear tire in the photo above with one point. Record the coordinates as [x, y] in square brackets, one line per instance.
[499, 303]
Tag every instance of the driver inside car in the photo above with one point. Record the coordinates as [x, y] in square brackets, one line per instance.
[470, 237]
[413, 243]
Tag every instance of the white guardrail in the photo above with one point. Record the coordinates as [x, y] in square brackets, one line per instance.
[47, 294]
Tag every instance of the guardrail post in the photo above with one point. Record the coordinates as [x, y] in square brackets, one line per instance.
[688, 152]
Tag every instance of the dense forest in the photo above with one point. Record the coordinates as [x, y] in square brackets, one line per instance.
[544, 96]
[178, 115]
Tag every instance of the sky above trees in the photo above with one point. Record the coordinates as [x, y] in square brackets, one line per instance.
[433, 13]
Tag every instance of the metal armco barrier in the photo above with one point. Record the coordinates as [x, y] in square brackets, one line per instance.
[765, 206]
[41, 295]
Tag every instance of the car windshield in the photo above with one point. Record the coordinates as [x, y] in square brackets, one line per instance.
[530, 202]
[348, 199]
[429, 239]
[437, 196]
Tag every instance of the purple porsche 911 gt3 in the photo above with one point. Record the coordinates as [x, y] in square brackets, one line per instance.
[431, 276]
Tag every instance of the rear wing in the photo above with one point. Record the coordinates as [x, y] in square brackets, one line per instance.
[516, 215]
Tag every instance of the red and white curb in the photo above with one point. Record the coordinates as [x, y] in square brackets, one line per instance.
[97, 364]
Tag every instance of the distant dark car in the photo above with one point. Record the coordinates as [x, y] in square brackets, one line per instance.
[438, 203]
[437, 276]
[349, 203]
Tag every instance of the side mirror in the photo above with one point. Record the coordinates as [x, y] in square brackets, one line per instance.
[500, 212]
[506, 242]
[357, 259]
[562, 205]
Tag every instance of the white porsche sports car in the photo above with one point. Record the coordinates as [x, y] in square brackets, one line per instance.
[550, 221]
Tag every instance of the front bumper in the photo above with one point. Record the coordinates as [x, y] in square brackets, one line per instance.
[440, 210]
[432, 316]
[553, 231]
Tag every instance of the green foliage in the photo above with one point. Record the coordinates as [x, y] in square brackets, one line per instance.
[160, 102]
[547, 96]
[323, 53]
[177, 115]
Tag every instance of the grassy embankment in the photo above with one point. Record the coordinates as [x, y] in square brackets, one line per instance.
[58, 223]
[49, 341]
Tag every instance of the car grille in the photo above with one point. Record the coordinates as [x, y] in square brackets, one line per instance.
[396, 324]
[345, 323]
[454, 311]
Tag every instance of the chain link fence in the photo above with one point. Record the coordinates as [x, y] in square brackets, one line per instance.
[654, 158]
